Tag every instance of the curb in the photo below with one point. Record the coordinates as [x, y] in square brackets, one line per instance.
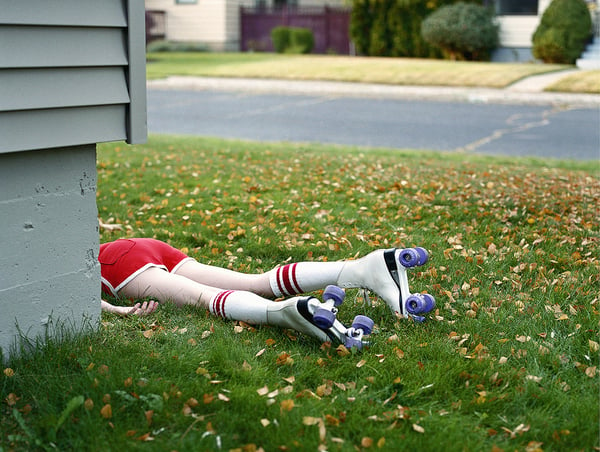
[516, 94]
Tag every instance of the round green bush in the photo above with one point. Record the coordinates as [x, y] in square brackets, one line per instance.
[563, 32]
[281, 38]
[302, 40]
[463, 31]
[292, 39]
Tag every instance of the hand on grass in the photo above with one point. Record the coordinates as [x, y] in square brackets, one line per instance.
[145, 308]
[139, 309]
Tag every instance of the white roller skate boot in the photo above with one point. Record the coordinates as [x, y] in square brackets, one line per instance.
[384, 272]
[309, 316]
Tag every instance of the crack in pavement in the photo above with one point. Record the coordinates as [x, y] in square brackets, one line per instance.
[541, 120]
[279, 107]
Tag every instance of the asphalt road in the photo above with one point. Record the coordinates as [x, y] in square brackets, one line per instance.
[549, 131]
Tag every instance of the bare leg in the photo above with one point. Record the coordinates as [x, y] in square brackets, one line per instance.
[164, 286]
[226, 279]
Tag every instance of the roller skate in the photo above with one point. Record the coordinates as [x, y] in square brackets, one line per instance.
[384, 272]
[318, 319]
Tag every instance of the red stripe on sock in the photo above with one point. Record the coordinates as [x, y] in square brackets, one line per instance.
[286, 279]
[278, 279]
[295, 281]
[219, 303]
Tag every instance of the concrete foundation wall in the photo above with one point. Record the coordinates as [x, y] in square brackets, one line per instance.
[49, 271]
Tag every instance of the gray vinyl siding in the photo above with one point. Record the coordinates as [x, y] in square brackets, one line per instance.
[71, 72]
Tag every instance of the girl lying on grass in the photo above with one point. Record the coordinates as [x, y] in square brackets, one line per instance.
[148, 268]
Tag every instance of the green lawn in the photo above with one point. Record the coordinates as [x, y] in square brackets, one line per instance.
[508, 361]
[398, 71]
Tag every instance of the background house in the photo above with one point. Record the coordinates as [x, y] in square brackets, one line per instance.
[213, 23]
[219, 25]
[518, 21]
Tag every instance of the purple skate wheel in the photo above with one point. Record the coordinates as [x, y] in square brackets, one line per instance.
[415, 304]
[363, 323]
[429, 302]
[409, 257]
[335, 293]
[323, 318]
[353, 342]
[423, 255]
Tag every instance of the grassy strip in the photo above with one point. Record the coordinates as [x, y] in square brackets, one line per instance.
[580, 82]
[508, 361]
[397, 71]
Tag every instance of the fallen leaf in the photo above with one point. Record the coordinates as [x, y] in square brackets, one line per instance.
[287, 405]
[149, 414]
[263, 391]
[12, 399]
[332, 420]
[591, 371]
[361, 363]
[148, 334]
[309, 420]
[284, 359]
[145, 437]
[534, 446]
[106, 411]
[366, 442]
[9, 372]
[418, 428]
[342, 350]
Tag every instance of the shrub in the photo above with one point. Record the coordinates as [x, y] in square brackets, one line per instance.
[302, 40]
[292, 39]
[562, 34]
[464, 31]
[393, 27]
[281, 38]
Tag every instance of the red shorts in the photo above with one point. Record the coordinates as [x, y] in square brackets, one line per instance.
[124, 259]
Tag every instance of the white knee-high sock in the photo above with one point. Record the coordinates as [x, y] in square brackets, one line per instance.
[302, 277]
[240, 305]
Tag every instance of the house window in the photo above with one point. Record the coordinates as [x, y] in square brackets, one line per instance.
[262, 4]
[517, 7]
[282, 3]
[186, 2]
